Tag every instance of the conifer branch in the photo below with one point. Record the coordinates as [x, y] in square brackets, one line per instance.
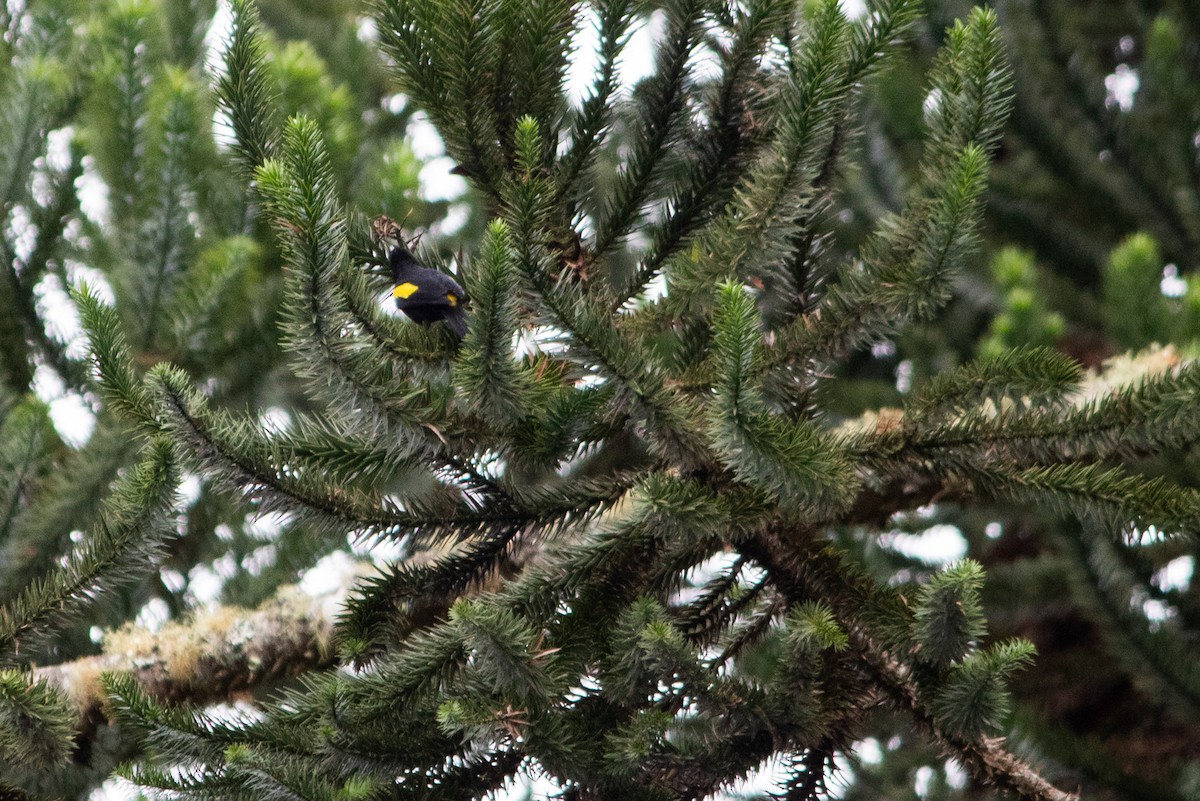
[985, 758]
[589, 125]
[50, 220]
[538, 40]
[245, 91]
[594, 340]
[1039, 421]
[1162, 665]
[123, 93]
[1092, 492]
[67, 500]
[311, 224]
[35, 725]
[1034, 380]
[33, 91]
[23, 436]
[114, 360]
[449, 60]
[489, 381]
[167, 236]
[873, 298]
[412, 594]
[790, 460]
[243, 472]
[662, 99]
[754, 233]
[906, 267]
[126, 542]
[799, 571]
[722, 145]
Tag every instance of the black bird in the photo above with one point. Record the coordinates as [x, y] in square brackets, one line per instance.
[426, 295]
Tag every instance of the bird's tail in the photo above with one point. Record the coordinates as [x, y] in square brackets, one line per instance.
[457, 320]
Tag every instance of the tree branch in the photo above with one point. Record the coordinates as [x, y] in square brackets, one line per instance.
[795, 568]
[216, 656]
[986, 759]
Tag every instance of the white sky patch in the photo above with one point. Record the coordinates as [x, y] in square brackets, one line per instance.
[71, 415]
[936, 545]
[115, 790]
[1157, 611]
[840, 779]
[334, 571]
[883, 349]
[904, 376]
[541, 339]
[366, 30]
[956, 775]
[854, 9]
[456, 217]
[535, 788]
[869, 751]
[380, 550]
[217, 37]
[329, 578]
[24, 234]
[93, 193]
[275, 420]
[584, 60]
[266, 527]
[637, 59]
[1121, 87]
[923, 781]
[173, 580]
[58, 148]
[189, 489]
[61, 317]
[1176, 574]
[205, 582]
[655, 289]
[80, 274]
[436, 182]
[716, 565]
[216, 40]
[396, 103]
[260, 559]
[768, 779]
[423, 138]
[1148, 536]
[1172, 285]
[153, 615]
[933, 101]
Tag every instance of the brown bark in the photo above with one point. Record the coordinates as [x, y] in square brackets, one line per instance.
[216, 656]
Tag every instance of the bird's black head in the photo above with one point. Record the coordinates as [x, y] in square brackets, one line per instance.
[402, 262]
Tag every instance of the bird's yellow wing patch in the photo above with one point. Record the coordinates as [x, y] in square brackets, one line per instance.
[403, 291]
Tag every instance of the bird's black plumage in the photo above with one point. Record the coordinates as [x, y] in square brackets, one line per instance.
[426, 295]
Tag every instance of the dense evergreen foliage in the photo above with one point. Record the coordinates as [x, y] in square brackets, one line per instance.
[820, 286]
